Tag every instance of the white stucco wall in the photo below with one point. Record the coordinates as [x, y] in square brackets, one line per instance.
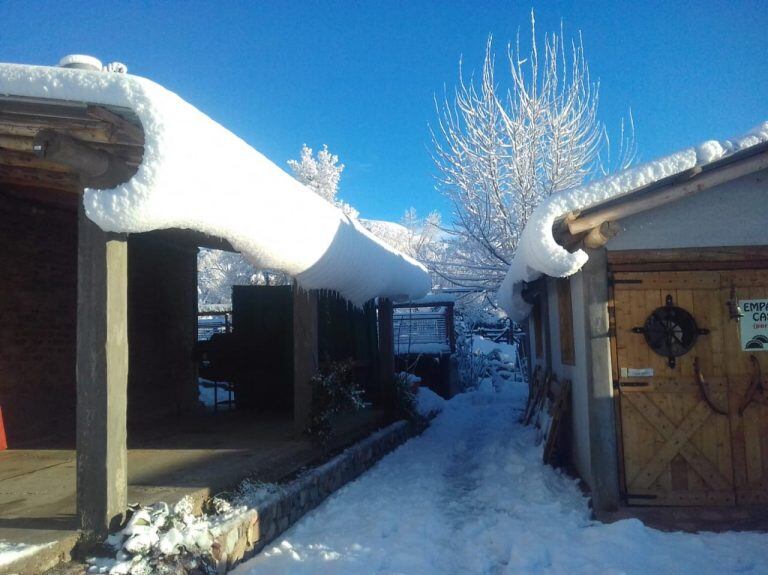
[732, 214]
[577, 373]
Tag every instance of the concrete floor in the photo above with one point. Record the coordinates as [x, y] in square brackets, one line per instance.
[193, 455]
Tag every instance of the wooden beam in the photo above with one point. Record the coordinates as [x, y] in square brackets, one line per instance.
[29, 160]
[600, 405]
[386, 352]
[131, 153]
[680, 255]
[597, 237]
[131, 130]
[695, 182]
[97, 168]
[591, 239]
[94, 133]
[45, 196]
[18, 176]
[102, 378]
[17, 143]
[51, 109]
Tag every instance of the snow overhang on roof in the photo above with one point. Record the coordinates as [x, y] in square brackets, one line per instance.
[195, 174]
[538, 251]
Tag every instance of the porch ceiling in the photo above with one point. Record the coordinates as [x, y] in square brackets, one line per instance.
[116, 131]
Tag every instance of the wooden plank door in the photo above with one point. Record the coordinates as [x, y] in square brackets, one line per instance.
[676, 448]
[749, 419]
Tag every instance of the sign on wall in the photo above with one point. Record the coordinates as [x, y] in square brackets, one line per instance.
[754, 325]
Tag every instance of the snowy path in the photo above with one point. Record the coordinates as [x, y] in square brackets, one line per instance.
[471, 497]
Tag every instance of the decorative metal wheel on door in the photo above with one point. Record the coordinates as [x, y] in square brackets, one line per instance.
[670, 331]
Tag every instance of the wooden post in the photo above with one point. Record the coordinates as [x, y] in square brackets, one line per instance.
[102, 378]
[450, 325]
[602, 427]
[386, 352]
[305, 353]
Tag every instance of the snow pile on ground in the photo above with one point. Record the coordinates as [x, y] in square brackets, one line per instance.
[492, 363]
[538, 253]
[11, 552]
[428, 403]
[196, 174]
[504, 353]
[471, 496]
[159, 539]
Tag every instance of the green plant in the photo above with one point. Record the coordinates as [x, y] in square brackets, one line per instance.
[334, 392]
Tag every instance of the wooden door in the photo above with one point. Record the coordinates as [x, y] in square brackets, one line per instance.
[676, 449]
[748, 411]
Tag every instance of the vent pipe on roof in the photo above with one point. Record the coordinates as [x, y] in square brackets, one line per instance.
[81, 62]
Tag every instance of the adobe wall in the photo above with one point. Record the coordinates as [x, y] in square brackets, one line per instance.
[576, 373]
[38, 301]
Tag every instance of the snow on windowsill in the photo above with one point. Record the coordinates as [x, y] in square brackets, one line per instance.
[197, 175]
[539, 253]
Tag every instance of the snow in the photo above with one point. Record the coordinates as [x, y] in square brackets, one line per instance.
[160, 536]
[403, 347]
[391, 232]
[506, 352]
[11, 552]
[539, 254]
[428, 402]
[470, 495]
[197, 175]
[437, 297]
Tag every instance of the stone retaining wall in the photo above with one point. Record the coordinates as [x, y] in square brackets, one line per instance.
[244, 536]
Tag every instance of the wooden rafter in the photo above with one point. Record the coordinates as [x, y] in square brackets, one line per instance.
[131, 130]
[33, 177]
[100, 130]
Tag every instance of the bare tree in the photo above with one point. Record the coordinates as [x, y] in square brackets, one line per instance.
[501, 151]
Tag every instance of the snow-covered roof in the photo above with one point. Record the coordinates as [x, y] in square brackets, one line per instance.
[539, 253]
[197, 175]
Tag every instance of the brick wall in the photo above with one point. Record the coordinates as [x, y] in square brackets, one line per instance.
[38, 319]
[162, 325]
[38, 300]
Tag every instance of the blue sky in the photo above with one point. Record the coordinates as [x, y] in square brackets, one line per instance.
[361, 76]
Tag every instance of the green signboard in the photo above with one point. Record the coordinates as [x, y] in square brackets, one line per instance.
[754, 325]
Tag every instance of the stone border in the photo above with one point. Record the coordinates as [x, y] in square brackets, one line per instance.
[242, 537]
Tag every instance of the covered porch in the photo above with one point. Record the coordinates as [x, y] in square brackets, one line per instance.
[98, 377]
[184, 457]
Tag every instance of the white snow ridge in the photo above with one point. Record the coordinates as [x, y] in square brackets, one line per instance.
[197, 175]
[539, 253]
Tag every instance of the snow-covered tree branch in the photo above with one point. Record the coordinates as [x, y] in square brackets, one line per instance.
[322, 174]
[500, 151]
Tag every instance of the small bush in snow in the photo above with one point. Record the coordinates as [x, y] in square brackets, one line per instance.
[160, 540]
[333, 393]
[406, 404]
